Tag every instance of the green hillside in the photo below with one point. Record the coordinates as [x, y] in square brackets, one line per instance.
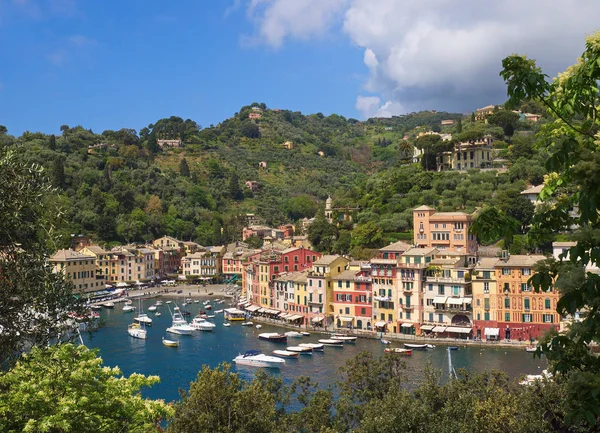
[120, 186]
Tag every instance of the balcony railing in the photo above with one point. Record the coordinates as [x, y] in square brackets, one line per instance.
[452, 309]
[434, 279]
[413, 265]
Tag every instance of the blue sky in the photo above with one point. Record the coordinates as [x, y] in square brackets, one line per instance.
[107, 64]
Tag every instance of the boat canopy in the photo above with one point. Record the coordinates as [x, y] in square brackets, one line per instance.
[251, 353]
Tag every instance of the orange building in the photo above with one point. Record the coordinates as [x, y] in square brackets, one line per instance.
[522, 313]
[444, 230]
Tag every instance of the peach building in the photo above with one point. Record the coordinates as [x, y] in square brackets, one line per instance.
[445, 230]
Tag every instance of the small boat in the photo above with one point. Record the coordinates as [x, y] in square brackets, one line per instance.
[313, 346]
[210, 294]
[184, 304]
[157, 314]
[189, 300]
[136, 331]
[416, 346]
[152, 308]
[385, 341]
[169, 302]
[294, 334]
[258, 326]
[452, 347]
[345, 338]
[170, 343]
[285, 353]
[247, 323]
[143, 318]
[158, 303]
[210, 316]
[254, 358]
[208, 307]
[398, 351]
[531, 349]
[218, 311]
[128, 302]
[179, 325]
[330, 342]
[202, 325]
[128, 308]
[96, 307]
[227, 325]
[185, 313]
[109, 305]
[273, 336]
[300, 349]
[431, 346]
[196, 301]
[306, 334]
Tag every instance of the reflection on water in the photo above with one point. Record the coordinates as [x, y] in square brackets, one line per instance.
[177, 367]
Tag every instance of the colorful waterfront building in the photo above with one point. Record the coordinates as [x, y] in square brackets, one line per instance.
[485, 308]
[385, 292]
[445, 230]
[79, 268]
[292, 297]
[522, 313]
[122, 264]
[352, 293]
[394, 250]
[320, 287]
[411, 271]
[448, 296]
[102, 260]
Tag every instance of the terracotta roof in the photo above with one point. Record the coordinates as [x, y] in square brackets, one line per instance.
[487, 263]
[346, 275]
[384, 261]
[96, 249]
[326, 260]
[521, 260]
[533, 190]
[396, 246]
[67, 255]
[424, 207]
[416, 251]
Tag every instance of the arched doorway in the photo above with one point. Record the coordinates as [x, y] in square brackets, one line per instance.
[461, 320]
[359, 324]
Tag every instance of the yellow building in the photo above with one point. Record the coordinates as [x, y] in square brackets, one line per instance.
[102, 260]
[485, 309]
[79, 268]
[320, 287]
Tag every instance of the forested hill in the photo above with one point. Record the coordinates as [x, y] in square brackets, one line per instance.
[121, 186]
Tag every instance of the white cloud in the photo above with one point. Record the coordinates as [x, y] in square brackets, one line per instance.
[438, 54]
[299, 19]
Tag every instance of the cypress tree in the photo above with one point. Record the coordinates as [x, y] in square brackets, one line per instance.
[184, 168]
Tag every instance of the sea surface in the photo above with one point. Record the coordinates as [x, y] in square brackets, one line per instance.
[177, 367]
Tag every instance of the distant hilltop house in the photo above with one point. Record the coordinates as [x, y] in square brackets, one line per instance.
[169, 142]
[341, 213]
[484, 112]
[388, 128]
[252, 220]
[256, 109]
[288, 145]
[262, 164]
[448, 122]
[252, 185]
[444, 137]
[529, 117]
[533, 193]
[254, 115]
[93, 148]
[468, 154]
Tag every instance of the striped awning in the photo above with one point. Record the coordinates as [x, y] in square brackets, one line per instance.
[439, 329]
[295, 317]
[458, 330]
[284, 316]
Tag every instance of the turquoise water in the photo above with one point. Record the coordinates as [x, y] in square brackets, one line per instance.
[177, 367]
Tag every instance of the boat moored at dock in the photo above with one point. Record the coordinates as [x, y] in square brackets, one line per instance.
[314, 346]
[285, 353]
[273, 336]
[331, 342]
[254, 358]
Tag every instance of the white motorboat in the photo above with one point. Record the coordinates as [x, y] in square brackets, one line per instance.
[248, 323]
[196, 301]
[531, 349]
[300, 349]
[210, 316]
[96, 307]
[306, 334]
[258, 326]
[431, 346]
[313, 346]
[157, 314]
[294, 334]
[330, 342]
[128, 308]
[273, 336]
[143, 318]
[385, 341]
[169, 302]
[399, 351]
[184, 304]
[158, 303]
[254, 358]
[218, 311]
[202, 325]
[227, 325]
[180, 325]
[109, 305]
[136, 331]
[285, 353]
[344, 338]
[415, 346]
[152, 308]
[128, 302]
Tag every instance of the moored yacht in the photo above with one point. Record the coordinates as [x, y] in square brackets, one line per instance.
[273, 336]
[180, 325]
[143, 318]
[127, 308]
[254, 358]
[136, 331]
[313, 346]
[202, 325]
[294, 334]
[331, 342]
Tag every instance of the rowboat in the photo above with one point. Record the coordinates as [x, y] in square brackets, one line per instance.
[285, 353]
[300, 349]
[313, 346]
[273, 336]
[170, 343]
[329, 342]
[416, 346]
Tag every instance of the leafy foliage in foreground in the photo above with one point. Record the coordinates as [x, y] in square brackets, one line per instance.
[65, 388]
[373, 395]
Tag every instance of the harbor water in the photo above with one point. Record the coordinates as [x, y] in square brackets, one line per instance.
[177, 367]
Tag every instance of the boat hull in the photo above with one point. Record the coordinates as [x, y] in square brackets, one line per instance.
[277, 338]
[180, 330]
[335, 343]
[416, 346]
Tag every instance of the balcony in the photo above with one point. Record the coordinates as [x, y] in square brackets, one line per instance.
[443, 308]
[446, 280]
[407, 289]
[361, 279]
[413, 265]
[407, 307]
